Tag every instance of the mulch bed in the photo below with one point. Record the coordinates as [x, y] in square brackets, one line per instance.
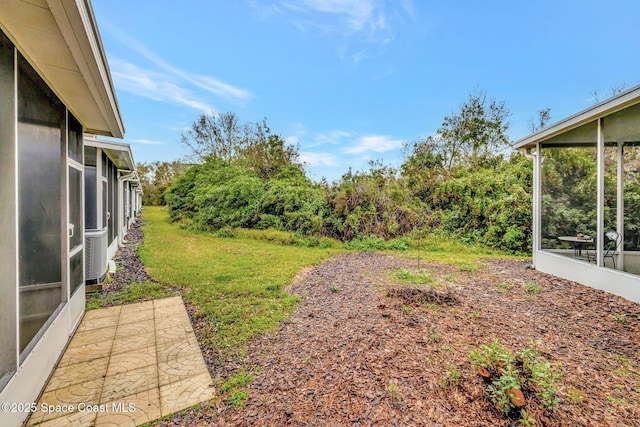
[359, 354]
[365, 351]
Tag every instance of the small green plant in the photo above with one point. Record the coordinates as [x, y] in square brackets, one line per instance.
[238, 380]
[434, 337]
[393, 391]
[490, 356]
[234, 387]
[406, 309]
[237, 399]
[525, 419]
[452, 377]
[502, 389]
[620, 317]
[617, 401]
[574, 395]
[403, 274]
[509, 375]
[544, 376]
[417, 278]
[531, 288]
[503, 287]
[334, 288]
[476, 315]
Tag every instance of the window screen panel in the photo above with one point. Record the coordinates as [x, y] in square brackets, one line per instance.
[74, 139]
[41, 128]
[75, 207]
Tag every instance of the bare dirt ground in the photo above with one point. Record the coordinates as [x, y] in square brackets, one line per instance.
[353, 356]
[365, 350]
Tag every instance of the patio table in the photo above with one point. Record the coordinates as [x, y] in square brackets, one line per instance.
[576, 243]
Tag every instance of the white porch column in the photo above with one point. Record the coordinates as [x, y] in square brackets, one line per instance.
[600, 195]
[537, 197]
[620, 205]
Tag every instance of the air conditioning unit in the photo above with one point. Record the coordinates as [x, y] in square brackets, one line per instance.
[95, 251]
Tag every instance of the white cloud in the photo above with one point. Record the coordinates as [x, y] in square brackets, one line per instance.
[154, 85]
[356, 14]
[307, 139]
[210, 84]
[147, 142]
[363, 28]
[375, 144]
[319, 159]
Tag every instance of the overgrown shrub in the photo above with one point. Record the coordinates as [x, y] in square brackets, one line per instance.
[293, 204]
[490, 207]
[374, 203]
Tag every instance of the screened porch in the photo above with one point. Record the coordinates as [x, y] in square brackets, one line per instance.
[586, 210]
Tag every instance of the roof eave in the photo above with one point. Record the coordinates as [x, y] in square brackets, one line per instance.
[119, 152]
[602, 109]
[72, 61]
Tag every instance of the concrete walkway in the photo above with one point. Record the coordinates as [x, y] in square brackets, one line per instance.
[125, 366]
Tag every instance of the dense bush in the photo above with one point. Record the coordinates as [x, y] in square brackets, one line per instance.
[487, 206]
[223, 194]
[292, 204]
[374, 203]
[455, 182]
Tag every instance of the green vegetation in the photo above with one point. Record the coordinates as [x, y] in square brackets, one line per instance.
[238, 283]
[452, 377]
[417, 278]
[509, 376]
[504, 287]
[462, 183]
[458, 184]
[234, 389]
[393, 392]
[619, 317]
[136, 292]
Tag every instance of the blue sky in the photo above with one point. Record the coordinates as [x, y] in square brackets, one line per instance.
[350, 80]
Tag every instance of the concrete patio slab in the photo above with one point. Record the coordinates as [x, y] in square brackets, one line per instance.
[126, 366]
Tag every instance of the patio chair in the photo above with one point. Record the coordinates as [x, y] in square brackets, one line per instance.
[612, 241]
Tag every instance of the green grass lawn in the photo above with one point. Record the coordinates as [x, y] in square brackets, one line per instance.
[446, 250]
[238, 283]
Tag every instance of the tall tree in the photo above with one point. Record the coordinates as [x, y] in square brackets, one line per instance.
[156, 178]
[544, 117]
[613, 91]
[475, 134]
[252, 145]
[215, 135]
[422, 168]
